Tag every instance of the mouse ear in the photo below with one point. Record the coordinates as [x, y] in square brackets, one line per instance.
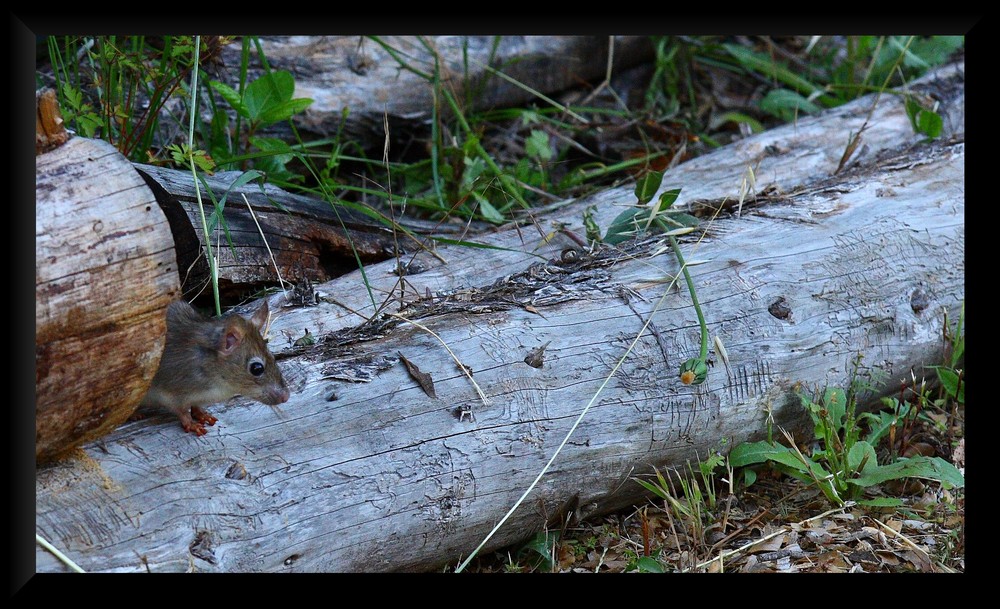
[232, 336]
[260, 317]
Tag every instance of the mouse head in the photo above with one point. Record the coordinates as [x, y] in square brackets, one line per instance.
[246, 365]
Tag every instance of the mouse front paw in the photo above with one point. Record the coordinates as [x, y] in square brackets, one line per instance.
[196, 428]
[203, 417]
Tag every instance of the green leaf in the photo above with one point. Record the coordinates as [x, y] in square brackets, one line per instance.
[929, 123]
[285, 110]
[749, 453]
[538, 551]
[679, 219]
[764, 64]
[930, 468]
[749, 476]
[72, 95]
[857, 454]
[647, 185]
[949, 380]
[958, 351]
[243, 178]
[648, 564]
[624, 226]
[231, 96]
[592, 229]
[268, 93]
[668, 198]
[738, 118]
[882, 502]
[486, 209]
[934, 50]
[474, 167]
[537, 145]
[880, 422]
[787, 105]
[836, 404]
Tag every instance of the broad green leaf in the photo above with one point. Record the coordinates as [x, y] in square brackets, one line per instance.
[648, 564]
[929, 123]
[749, 476]
[487, 210]
[836, 404]
[764, 64]
[539, 550]
[886, 502]
[950, 382]
[625, 225]
[668, 198]
[792, 460]
[231, 96]
[679, 218]
[881, 422]
[749, 453]
[738, 118]
[787, 105]
[858, 453]
[474, 167]
[267, 93]
[277, 155]
[537, 145]
[935, 50]
[285, 110]
[930, 468]
[647, 185]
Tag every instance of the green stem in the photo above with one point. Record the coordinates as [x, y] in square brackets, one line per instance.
[694, 296]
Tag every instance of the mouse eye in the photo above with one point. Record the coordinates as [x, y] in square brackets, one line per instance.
[256, 366]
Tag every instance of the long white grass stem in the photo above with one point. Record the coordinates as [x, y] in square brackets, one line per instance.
[62, 557]
[576, 423]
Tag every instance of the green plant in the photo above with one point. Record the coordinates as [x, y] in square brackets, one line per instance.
[844, 462]
[540, 551]
[696, 501]
[642, 564]
[118, 87]
[263, 102]
[638, 220]
[951, 377]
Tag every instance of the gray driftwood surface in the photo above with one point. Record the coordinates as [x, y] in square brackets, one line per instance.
[363, 471]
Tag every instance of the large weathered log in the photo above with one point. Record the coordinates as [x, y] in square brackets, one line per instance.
[363, 470]
[356, 74]
[104, 273]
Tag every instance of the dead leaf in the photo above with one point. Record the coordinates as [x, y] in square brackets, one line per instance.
[423, 379]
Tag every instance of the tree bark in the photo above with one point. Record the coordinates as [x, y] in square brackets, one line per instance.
[270, 232]
[366, 470]
[104, 273]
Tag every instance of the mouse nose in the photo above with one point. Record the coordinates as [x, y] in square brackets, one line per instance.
[276, 395]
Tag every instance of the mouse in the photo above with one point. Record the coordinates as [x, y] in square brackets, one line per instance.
[206, 361]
